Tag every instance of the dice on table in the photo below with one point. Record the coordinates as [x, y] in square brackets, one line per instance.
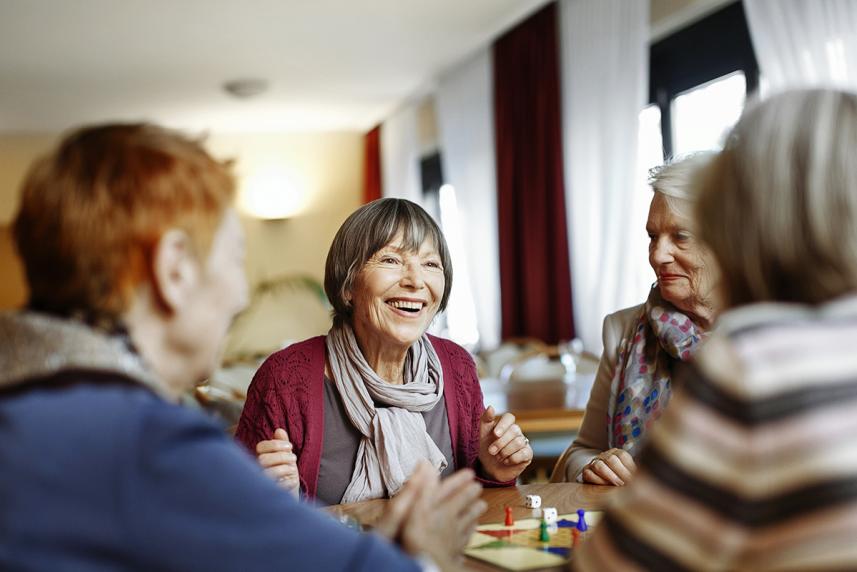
[549, 515]
[534, 501]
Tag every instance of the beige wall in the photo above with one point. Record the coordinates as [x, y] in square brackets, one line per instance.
[662, 9]
[428, 127]
[669, 16]
[325, 172]
[17, 152]
[13, 289]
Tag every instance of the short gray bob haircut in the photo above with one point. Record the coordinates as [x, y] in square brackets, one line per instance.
[366, 231]
[778, 206]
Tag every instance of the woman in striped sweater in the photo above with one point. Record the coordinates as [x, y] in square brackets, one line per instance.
[753, 466]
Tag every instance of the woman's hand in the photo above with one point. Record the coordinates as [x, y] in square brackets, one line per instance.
[434, 517]
[504, 452]
[279, 462]
[612, 467]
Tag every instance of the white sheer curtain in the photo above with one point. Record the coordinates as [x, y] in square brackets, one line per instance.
[464, 105]
[804, 43]
[604, 59]
[400, 155]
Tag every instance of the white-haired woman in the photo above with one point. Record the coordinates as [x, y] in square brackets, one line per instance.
[753, 465]
[643, 344]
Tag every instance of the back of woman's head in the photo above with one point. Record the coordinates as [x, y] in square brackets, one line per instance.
[778, 206]
[93, 210]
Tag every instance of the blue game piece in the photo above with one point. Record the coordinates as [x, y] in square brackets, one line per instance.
[581, 521]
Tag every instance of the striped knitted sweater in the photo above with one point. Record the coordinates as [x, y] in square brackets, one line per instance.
[754, 464]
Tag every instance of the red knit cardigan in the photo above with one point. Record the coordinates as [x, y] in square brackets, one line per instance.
[288, 392]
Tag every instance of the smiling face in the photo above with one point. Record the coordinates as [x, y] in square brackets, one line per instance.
[397, 294]
[685, 270]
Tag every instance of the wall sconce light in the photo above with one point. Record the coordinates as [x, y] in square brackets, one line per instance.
[271, 193]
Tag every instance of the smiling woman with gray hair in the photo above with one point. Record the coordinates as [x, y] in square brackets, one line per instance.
[346, 417]
[134, 259]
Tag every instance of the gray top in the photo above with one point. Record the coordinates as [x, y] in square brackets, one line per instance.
[341, 440]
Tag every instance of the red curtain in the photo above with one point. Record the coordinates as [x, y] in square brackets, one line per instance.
[534, 268]
[372, 166]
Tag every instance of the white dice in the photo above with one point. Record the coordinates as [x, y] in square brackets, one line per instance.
[534, 501]
[549, 514]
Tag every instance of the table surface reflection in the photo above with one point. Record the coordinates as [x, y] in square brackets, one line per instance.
[541, 406]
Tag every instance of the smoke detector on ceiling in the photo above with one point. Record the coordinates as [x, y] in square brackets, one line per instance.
[245, 88]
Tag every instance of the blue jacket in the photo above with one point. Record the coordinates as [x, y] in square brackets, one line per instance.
[98, 472]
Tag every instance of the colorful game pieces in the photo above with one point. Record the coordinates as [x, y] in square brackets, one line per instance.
[543, 532]
[509, 520]
[532, 543]
[581, 521]
[534, 501]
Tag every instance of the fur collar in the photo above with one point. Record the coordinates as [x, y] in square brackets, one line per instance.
[39, 345]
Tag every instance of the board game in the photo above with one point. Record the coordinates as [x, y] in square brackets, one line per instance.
[517, 547]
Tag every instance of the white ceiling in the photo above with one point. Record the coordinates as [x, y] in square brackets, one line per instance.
[332, 64]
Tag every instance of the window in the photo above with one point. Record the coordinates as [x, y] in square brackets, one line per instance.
[650, 142]
[459, 321]
[701, 116]
[649, 155]
[699, 78]
[461, 311]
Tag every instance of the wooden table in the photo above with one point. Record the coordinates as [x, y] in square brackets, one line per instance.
[544, 406]
[566, 497]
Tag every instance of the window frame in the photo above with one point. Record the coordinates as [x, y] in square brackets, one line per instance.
[711, 48]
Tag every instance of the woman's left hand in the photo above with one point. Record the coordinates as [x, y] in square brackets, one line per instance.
[503, 450]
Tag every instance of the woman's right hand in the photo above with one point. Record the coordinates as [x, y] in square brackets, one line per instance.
[612, 467]
[434, 517]
[278, 461]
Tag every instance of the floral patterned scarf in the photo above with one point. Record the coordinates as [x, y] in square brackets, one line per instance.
[641, 385]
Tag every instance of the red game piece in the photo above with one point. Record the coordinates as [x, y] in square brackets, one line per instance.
[509, 520]
[575, 537]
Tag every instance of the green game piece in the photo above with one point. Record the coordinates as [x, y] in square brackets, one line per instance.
[543, 532]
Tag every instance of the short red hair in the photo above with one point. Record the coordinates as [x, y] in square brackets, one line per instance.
[93, 210]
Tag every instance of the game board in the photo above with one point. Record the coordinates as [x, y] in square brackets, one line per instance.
[517, 547]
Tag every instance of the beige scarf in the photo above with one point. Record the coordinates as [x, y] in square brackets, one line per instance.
[394, 438]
